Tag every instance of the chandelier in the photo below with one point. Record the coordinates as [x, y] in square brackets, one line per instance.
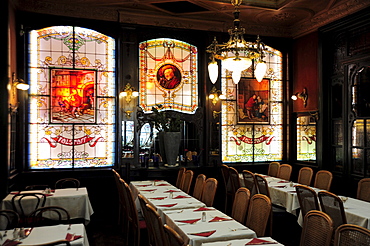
[237, 54]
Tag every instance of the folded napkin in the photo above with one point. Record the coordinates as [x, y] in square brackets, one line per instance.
[279, 186]
[48, 194]
[167, 205]
[9, 242]
[158, 198]
[215, 219]
[162, 185]
[203, 209]
[258, 241]
[157, 180]
[15, 192]
[149, 190]
[72, 237]
[172, 191]
[203, 234]
[143, 185]
[180, 196]
[188, 221]
[283, 181]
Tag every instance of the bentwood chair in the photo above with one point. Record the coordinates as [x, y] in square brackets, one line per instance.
[317, 229]
[37, 187]
[348, 235]
[234, 181]
[209, 191]
[262, 185]
[186, 183]
[198, 187]
[273, 170]
[173, 237]
[363, 189]
[259, 212]
[50, 215]
[285, 172]
[305, 176]
[9, 219]
[250, 182]
[240, 205]
[67, 183]
[159, 237]
[143, 202]
[227, 186]
[117, 178]
[38, 200]
[323, 180]
[332, 205]
[307, 198]
[180, 177]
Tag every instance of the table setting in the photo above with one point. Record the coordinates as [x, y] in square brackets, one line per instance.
[243, 242]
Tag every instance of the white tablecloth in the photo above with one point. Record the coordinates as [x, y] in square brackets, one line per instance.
[225, 230]
[46, 234]
[241, 242]
[76, 202]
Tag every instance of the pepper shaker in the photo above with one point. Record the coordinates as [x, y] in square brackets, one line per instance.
[171, 195]
[204, 217]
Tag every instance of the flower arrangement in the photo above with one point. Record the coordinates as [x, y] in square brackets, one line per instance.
[162, 122]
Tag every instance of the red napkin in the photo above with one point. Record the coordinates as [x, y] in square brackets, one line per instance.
[280, 186]
[143, 185]
[168, 205]
[172, 191]
[157, 180]
[181, 197]
[204, 234]
[72, 237]
[283, 181]
[162, 185]
[158, 198]
[48, 194]
[188, 221]
[257, 241]
[149, 190]
[203, 209]
[293, 191]
[9, 242]
[15, 192]
[215, 219]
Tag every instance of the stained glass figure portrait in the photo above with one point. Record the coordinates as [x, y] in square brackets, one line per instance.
[169, 76]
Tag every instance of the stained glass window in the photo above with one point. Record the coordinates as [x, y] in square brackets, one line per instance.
[72, 98]
[306, 138]
[253, 134]
[168, 75]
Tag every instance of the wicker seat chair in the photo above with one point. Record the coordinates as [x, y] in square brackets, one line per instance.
[262, 185]
[198, 186]
[120, 198]
[259, 212]
[173, 237]
[143, 202]
[317, 229]
[323, 180]
[332, 205]
[285, 171]
[209, 191]
[250, 182]
[348, 235]
[240, 205]
[186, 183]
[180, 177]
[307, 198]
[155, 220]
[234, 181]
[305, 176]
[273, 170]
[363, 189]
[227, 187]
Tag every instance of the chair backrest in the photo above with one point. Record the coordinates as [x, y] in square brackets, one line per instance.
[209, 191]
[234, 180]
[323, 180]
[305, 176]
[363, 189]
[67, 183]
[285, 171]
[38, 201]
[143, 202]
[173, 237]
[332, 205]
[225, 174]
[307, 198]
[262, 185]
[348, 235]
[273, 170]
[250, 182]
[240, 205]
[155, 220]
[9, 219]
[259, 212]
[317, 229]
[37, 187]
[198, 187]
[50, 215]
[180, 177]
[188, 178]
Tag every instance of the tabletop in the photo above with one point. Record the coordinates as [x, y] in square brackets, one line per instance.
[243, 242]
[76, 202]
[46, 234]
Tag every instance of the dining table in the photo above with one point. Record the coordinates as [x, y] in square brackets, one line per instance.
[244, 242]
[75, 233]
[75, 201]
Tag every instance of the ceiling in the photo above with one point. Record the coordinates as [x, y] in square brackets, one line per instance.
[278, 18]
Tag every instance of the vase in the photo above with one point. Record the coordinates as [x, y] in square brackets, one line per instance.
[171, 144]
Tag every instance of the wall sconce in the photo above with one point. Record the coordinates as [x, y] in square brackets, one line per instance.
[301, 95]
[18, 84]
[129, 94]
[215, 95]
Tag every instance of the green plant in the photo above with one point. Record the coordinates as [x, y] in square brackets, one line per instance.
[162, 122]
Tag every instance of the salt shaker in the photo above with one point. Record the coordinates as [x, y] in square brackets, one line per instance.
[291, 183]
[22, 233]
[204, 217]
[171, 195]
[16, 233]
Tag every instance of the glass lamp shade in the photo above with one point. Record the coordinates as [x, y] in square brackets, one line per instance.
[236, 76]
[213, 71]
[232, 64]
[22, 86]
[260, 71]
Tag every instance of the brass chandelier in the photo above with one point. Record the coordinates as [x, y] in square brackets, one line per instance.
[237, 54]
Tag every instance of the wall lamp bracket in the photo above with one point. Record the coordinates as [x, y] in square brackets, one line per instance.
[215, 95]
[301, 95]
